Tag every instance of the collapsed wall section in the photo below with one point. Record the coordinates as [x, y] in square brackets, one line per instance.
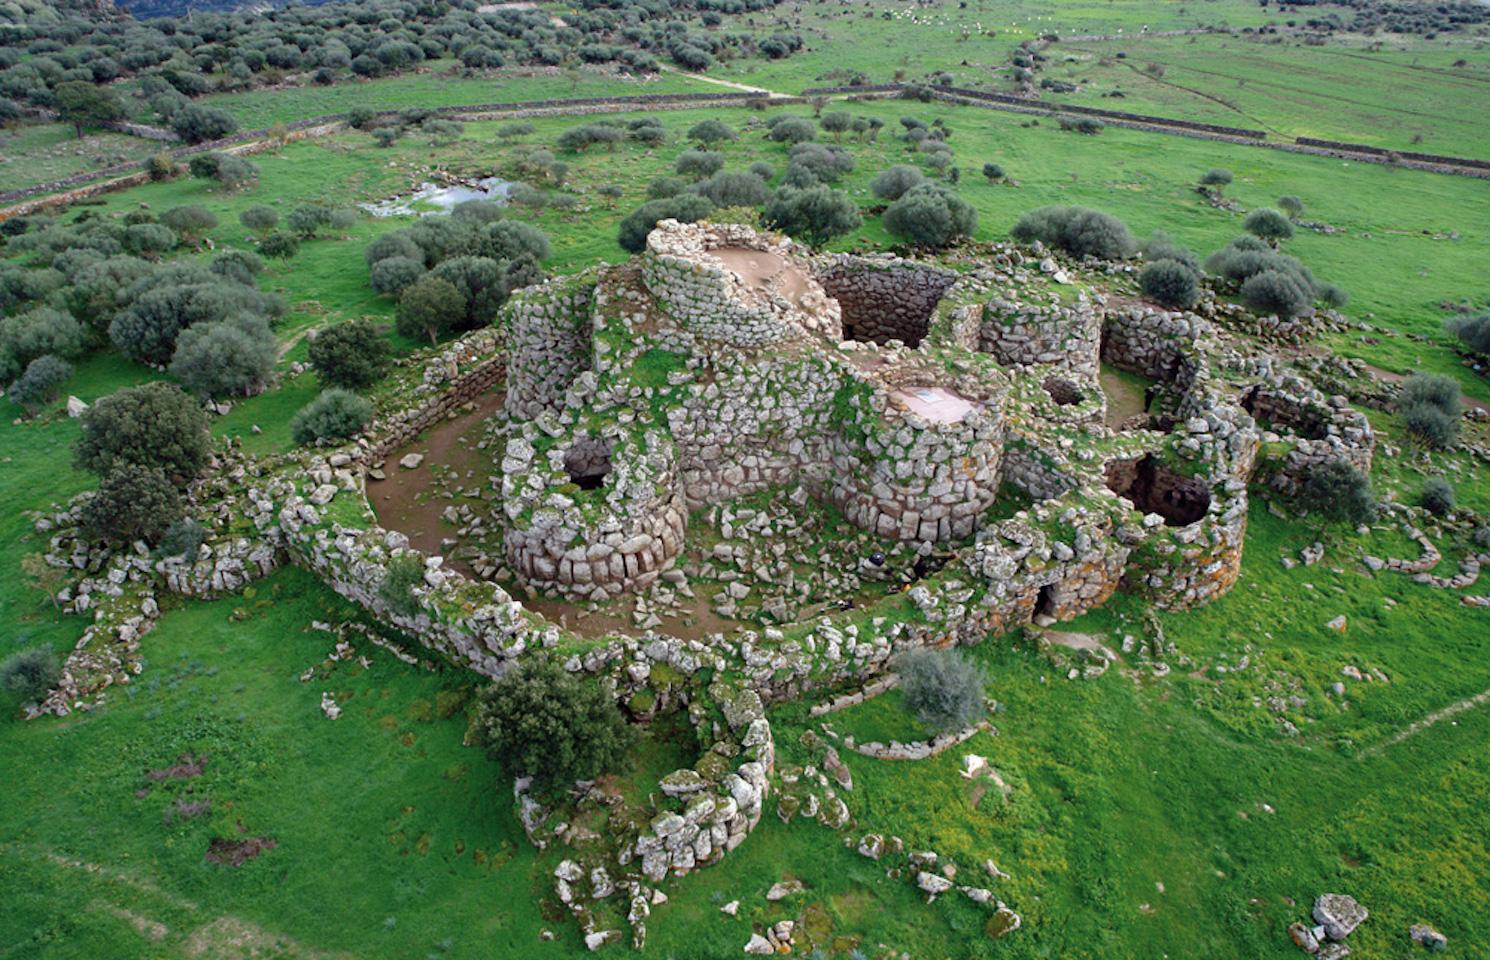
[1315, 430]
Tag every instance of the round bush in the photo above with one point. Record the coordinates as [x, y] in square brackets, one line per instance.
[1218, 177]
[1268, 224]
[1170, 283]
[1473, 332]
[942, 688]
[793, 130]
[817, 214]
[1430, 426]
[392, 276]
[1433, 389]
[699, 164]
[228, 357]
[1438, 496]
[542, 722]
[335, 414]
[1276, 292]
[685, 208]
[891, 184]
[930, 215]
[153, 425]
[259, 218]
[1080, 231]
[350, 355]
[133, 502]
[40, 383]
[735, 190]
[1339, 493]
[29, 675]
[429, 308]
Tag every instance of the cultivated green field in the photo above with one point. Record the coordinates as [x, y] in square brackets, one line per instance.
[1146, 816]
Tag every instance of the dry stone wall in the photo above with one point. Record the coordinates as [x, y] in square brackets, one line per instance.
[884, 298]
[550, 330]
[1022, 334]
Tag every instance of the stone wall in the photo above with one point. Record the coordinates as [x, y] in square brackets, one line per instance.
[1021, 334]
[617, 536]
[550, 329]
[713, 301]
[1153, 343]
[883, 298]
[1317, 429]
[909, 478]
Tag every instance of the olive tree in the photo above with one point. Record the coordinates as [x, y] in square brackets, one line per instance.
[350, 355]
[543, 722]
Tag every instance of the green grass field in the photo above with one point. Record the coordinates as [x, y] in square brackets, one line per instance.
[1146, 816]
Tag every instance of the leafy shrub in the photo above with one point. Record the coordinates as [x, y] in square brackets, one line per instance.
[942, 688]
[1079, 231]
[38, 332]
[29, 675]
[307, 219]
[395, 244]
[392, 276]
[1159, 246]
[429, 307]
[233, 356]
[259, 218]
[1276, 291]
[709, 132]
[404, 575]
[735, 190]
[280, 246]
[1438, 496]
[826, 163]
[196, 123]
[543, 722]
[350, 355]
[335, 414]
[40, 383]
[893, 182]
[1217, 179]
[482, 286]
[1337, 492]
[149, 240]
[793, 130]
[685, 208]
[930, 215]
[152, 425]
[182, 539]
[160, 166]
[239, 266]
[1473, 332]
[1433, 389]
[1331, 295]
[993, 171]
[1268, 224]
[699, 164]
[817, 214]
[1170, 283]
[1430, 426]
[1292, 206]
[191, 221]
[763, 170]
[133, 502]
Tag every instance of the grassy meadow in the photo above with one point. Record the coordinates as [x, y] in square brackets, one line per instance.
[1146, 816]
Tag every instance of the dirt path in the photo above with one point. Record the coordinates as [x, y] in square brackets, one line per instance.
[745, 87]
[1418, 726]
